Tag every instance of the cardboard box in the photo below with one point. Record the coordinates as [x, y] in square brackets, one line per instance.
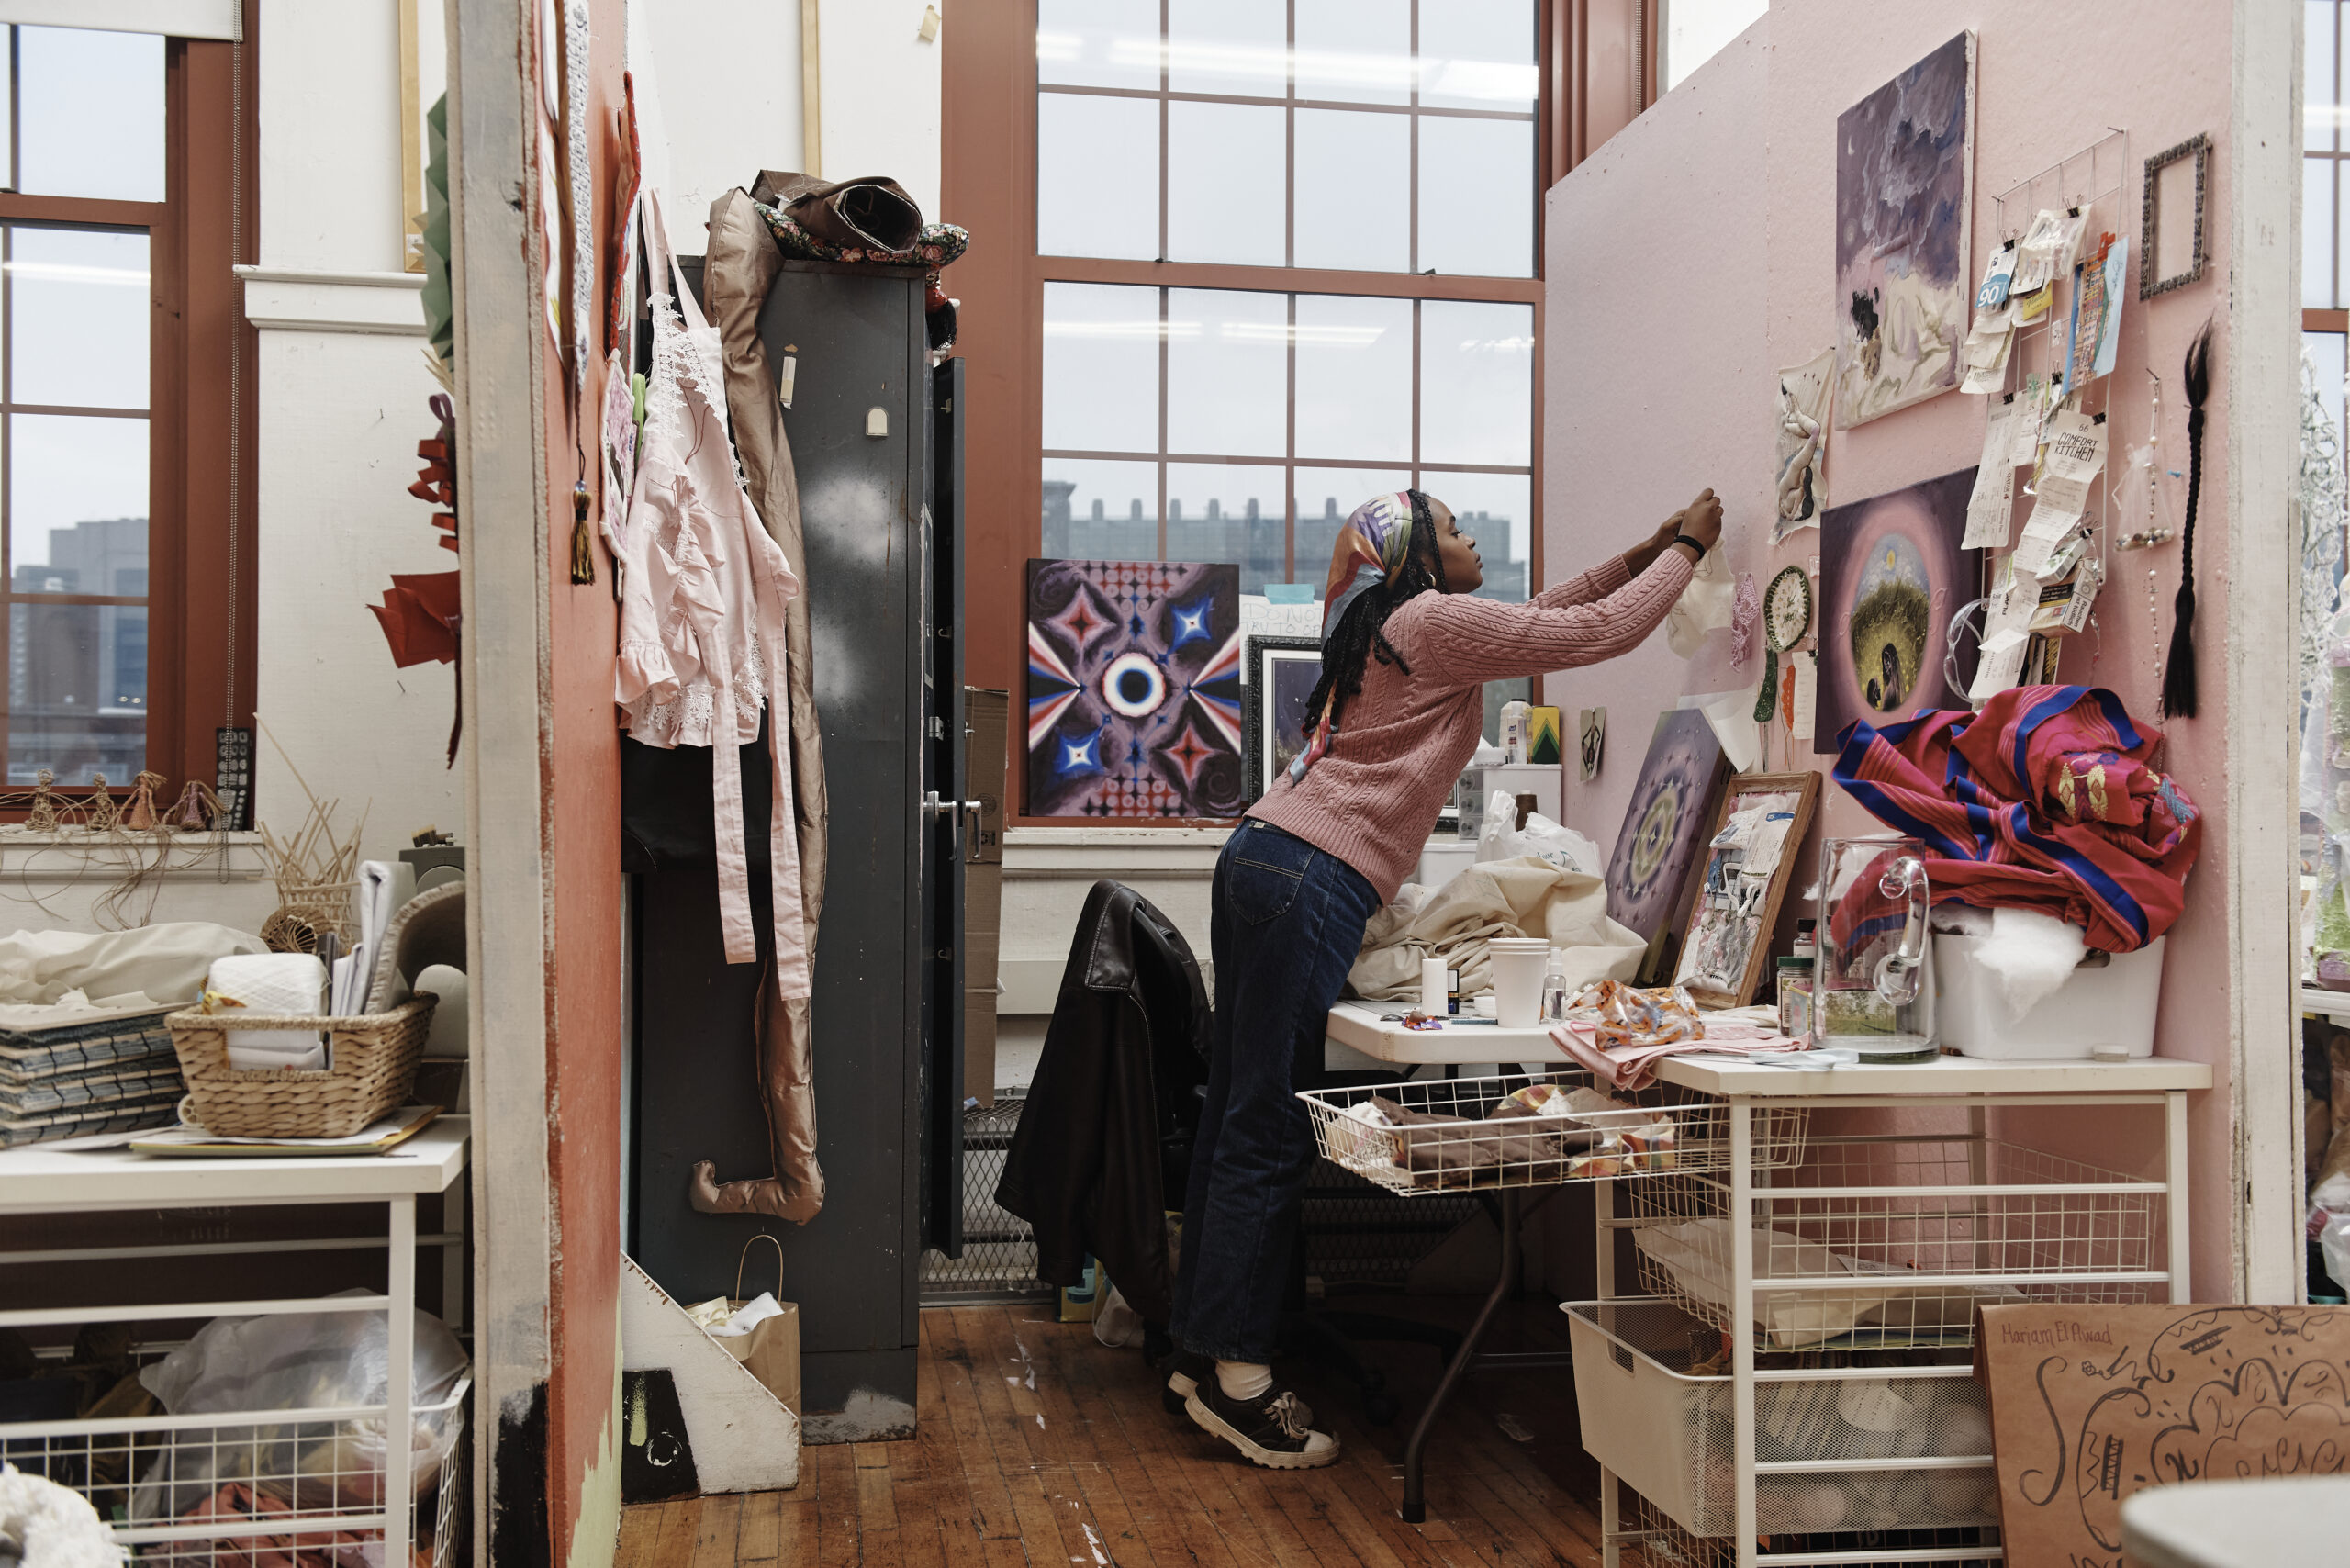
[2090, 1404]
[985, 714]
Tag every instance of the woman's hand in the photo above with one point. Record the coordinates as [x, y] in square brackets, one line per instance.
[1701, 520]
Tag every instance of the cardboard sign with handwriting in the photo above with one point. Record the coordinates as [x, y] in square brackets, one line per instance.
[2090, 1404]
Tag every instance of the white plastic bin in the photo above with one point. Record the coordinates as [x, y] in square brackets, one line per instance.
[2109, 1001]
[1905, 1449]
[1441, 859]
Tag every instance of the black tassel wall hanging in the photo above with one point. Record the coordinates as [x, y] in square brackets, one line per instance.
[2178, 671]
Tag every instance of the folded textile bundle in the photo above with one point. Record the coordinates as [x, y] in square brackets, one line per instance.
[2046, 800]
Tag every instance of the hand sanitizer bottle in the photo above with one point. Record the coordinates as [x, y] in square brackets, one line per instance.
[1554, 989]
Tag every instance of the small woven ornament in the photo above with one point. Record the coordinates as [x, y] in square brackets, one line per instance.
[104, 816]
[42, 817]
[138, 813]
[197, 809]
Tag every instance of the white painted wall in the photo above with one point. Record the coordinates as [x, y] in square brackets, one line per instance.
[880, 95]
[329, 105]
[720, 94]
[343, 384]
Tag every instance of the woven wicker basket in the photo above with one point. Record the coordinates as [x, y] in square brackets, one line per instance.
[375, 1057]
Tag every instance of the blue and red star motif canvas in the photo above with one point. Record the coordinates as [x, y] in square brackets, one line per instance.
[1133, 689]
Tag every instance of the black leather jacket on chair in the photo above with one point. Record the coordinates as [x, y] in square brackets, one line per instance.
[1105, 1135]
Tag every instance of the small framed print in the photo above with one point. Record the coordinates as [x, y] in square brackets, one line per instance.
[1283, 673]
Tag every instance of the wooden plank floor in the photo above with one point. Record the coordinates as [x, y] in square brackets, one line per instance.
[1038, 1446]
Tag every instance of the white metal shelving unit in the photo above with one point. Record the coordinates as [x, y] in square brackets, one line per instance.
[258, 1446]
[1916, 1226]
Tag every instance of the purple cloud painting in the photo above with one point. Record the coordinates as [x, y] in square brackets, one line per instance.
[1905, 183]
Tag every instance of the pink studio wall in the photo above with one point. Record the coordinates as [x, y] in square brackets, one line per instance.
[1694, 254]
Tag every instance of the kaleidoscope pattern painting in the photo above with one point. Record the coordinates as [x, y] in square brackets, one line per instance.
[1133, 689]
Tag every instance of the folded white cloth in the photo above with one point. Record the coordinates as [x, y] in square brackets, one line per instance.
[284, 984]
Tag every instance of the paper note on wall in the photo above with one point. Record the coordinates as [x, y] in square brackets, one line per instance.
[1990, 511]
[1807, 701]
[2031, 408]
[2005, 636]
[2066, 484]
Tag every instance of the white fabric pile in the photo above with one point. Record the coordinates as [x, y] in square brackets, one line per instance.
[43, 1525]
[1499, 898]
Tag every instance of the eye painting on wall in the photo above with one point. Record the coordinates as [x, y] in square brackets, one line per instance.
[1891, 576]
[1905, 185]
[1133, 689]
[1671, 814]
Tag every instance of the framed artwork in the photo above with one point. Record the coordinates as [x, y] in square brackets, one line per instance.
[1283, 673]
[1905, 187]
[1664, 828]
[1891, 576]
[1134, 690]
[1751, 857]
[2171, 233]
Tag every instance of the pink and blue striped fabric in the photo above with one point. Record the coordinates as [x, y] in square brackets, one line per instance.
[2046, 800]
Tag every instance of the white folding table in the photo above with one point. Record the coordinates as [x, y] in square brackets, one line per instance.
[36, 1180]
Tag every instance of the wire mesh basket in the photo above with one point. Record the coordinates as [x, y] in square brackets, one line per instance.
[1648, 1538]
[1862, 1449]
[999, 1261]
[1896, 1240]
[194, 1492]
[1477, 1134]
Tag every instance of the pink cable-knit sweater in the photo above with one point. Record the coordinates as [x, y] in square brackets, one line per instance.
[1401, 743]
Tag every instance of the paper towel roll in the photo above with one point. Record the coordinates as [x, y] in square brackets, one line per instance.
[280, 984]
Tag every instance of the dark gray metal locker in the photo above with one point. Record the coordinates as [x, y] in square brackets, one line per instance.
[881, 516]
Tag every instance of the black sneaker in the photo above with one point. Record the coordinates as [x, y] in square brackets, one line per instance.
[1189, 1370]
[1184, 1374]
[1271, 1430]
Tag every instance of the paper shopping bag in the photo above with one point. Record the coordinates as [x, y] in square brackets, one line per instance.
[770, 1351]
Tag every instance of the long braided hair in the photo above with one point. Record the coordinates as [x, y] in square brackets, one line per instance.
[1361, 633]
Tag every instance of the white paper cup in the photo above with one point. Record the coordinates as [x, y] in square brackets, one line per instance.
[1518, 965]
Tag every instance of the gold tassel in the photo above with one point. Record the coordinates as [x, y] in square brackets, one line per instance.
[583, 545]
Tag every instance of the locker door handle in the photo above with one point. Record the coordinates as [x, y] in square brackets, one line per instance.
[966, 815]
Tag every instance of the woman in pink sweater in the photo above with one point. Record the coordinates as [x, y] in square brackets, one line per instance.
[1400, 708]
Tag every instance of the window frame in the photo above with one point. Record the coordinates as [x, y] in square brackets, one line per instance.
[1596, 62]
[202, 577]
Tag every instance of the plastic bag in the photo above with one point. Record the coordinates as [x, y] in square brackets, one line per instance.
[1118, 1325]
[303, 1361]
[2333, 1240]
[1500, 838]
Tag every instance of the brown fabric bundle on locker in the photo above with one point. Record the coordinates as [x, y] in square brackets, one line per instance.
[740, 265]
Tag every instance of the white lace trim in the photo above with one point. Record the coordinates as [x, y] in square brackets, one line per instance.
[673, 362]
[686, 719]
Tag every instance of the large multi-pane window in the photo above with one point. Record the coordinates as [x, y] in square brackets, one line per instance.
[1230, 425]
[1340, 196]
[84, 127]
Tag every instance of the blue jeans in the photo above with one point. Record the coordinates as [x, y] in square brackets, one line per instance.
[1287, 921]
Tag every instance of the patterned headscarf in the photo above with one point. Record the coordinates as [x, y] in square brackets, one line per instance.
[1373, 546]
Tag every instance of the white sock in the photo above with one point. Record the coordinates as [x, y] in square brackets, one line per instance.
[1243, 1379]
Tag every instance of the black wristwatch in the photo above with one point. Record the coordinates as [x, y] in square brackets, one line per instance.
[1685, 539]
